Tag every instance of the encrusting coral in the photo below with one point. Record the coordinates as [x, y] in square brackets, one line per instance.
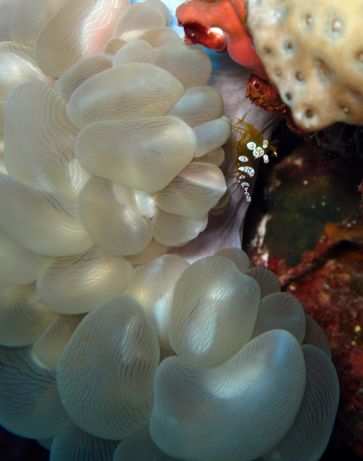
[110, 348]
[315, 59]
[312, 52]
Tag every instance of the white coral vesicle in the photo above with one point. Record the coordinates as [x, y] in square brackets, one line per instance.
[213, 313]
[188, 427]
[75, 445]
[141, 153]
[133, 89]
[125, 356]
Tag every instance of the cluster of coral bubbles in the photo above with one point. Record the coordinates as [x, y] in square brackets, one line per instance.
[112, 347]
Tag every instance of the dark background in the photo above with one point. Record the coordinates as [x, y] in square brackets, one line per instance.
[14, 448]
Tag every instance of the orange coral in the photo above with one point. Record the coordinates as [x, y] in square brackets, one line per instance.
[220, 24]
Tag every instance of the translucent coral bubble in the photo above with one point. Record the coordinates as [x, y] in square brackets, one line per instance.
[237, 256]
[127, 90]
[194, 191]
[17, 67]
[310, 432]
[7, 10]
[40, 221]
[111, 217]
[152, 251]
[29, 402]
[160, 6]
[80, 72]
[236, 411]
[114, 45]
[267, 280]
[141, 153]
[45, 443]
[135, 51]
[211, 135]
[315, 335]
[2, 109]
[48, 347]
[19, 265]
[138, 448]
[140, 18]
[2, 164]
[198, 105]
[153, 287]
[23, 317]
[78, 29]
[80, 283]
[161, 36]
[190, 66]
[30, 18]
[213, 312]
[216, 157]
[75, 445]
[174, 230]
[222, 204]
[105, 380]
[145, 203]
[281, 311]
[39, 140]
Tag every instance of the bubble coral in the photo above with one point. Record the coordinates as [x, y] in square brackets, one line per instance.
[312, 53]
[210, 384]
[111, 349]
[112, 153]
[227, 338]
